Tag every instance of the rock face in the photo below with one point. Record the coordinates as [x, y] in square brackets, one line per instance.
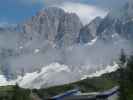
[89, 32]
[118, 22]
[69, 29]
[55, 25]
[65, 29]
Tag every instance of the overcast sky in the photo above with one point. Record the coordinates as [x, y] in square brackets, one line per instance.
[15, 11]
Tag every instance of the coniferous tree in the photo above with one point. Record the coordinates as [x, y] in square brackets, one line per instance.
[130, 69]
[122, 63]
[126, 77]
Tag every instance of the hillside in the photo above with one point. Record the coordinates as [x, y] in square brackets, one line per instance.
[86, 85]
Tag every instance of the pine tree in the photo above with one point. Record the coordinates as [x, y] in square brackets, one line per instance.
[126, 77]
[122, 75]
[130, 69]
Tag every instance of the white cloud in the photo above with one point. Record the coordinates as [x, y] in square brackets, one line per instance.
[84, 11]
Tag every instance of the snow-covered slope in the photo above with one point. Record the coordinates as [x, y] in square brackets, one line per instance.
[108, 69]
[53, 74]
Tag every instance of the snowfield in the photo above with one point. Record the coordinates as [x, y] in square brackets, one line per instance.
[52, 75]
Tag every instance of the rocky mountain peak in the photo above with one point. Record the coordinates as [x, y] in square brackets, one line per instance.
[118, 21]
[89, 31]
[53, 24]
[129, 7]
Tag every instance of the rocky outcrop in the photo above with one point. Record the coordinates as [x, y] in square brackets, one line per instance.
[89, 31]
[55, 25]
[118, 22]
[69, 29]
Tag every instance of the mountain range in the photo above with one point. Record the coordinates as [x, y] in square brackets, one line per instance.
[57, 42]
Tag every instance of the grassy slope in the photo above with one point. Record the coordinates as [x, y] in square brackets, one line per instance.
[6, 92]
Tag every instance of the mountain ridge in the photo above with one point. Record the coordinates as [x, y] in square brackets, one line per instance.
[54, 35]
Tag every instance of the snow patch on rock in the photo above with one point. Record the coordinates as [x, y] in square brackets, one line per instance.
[92, 42]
